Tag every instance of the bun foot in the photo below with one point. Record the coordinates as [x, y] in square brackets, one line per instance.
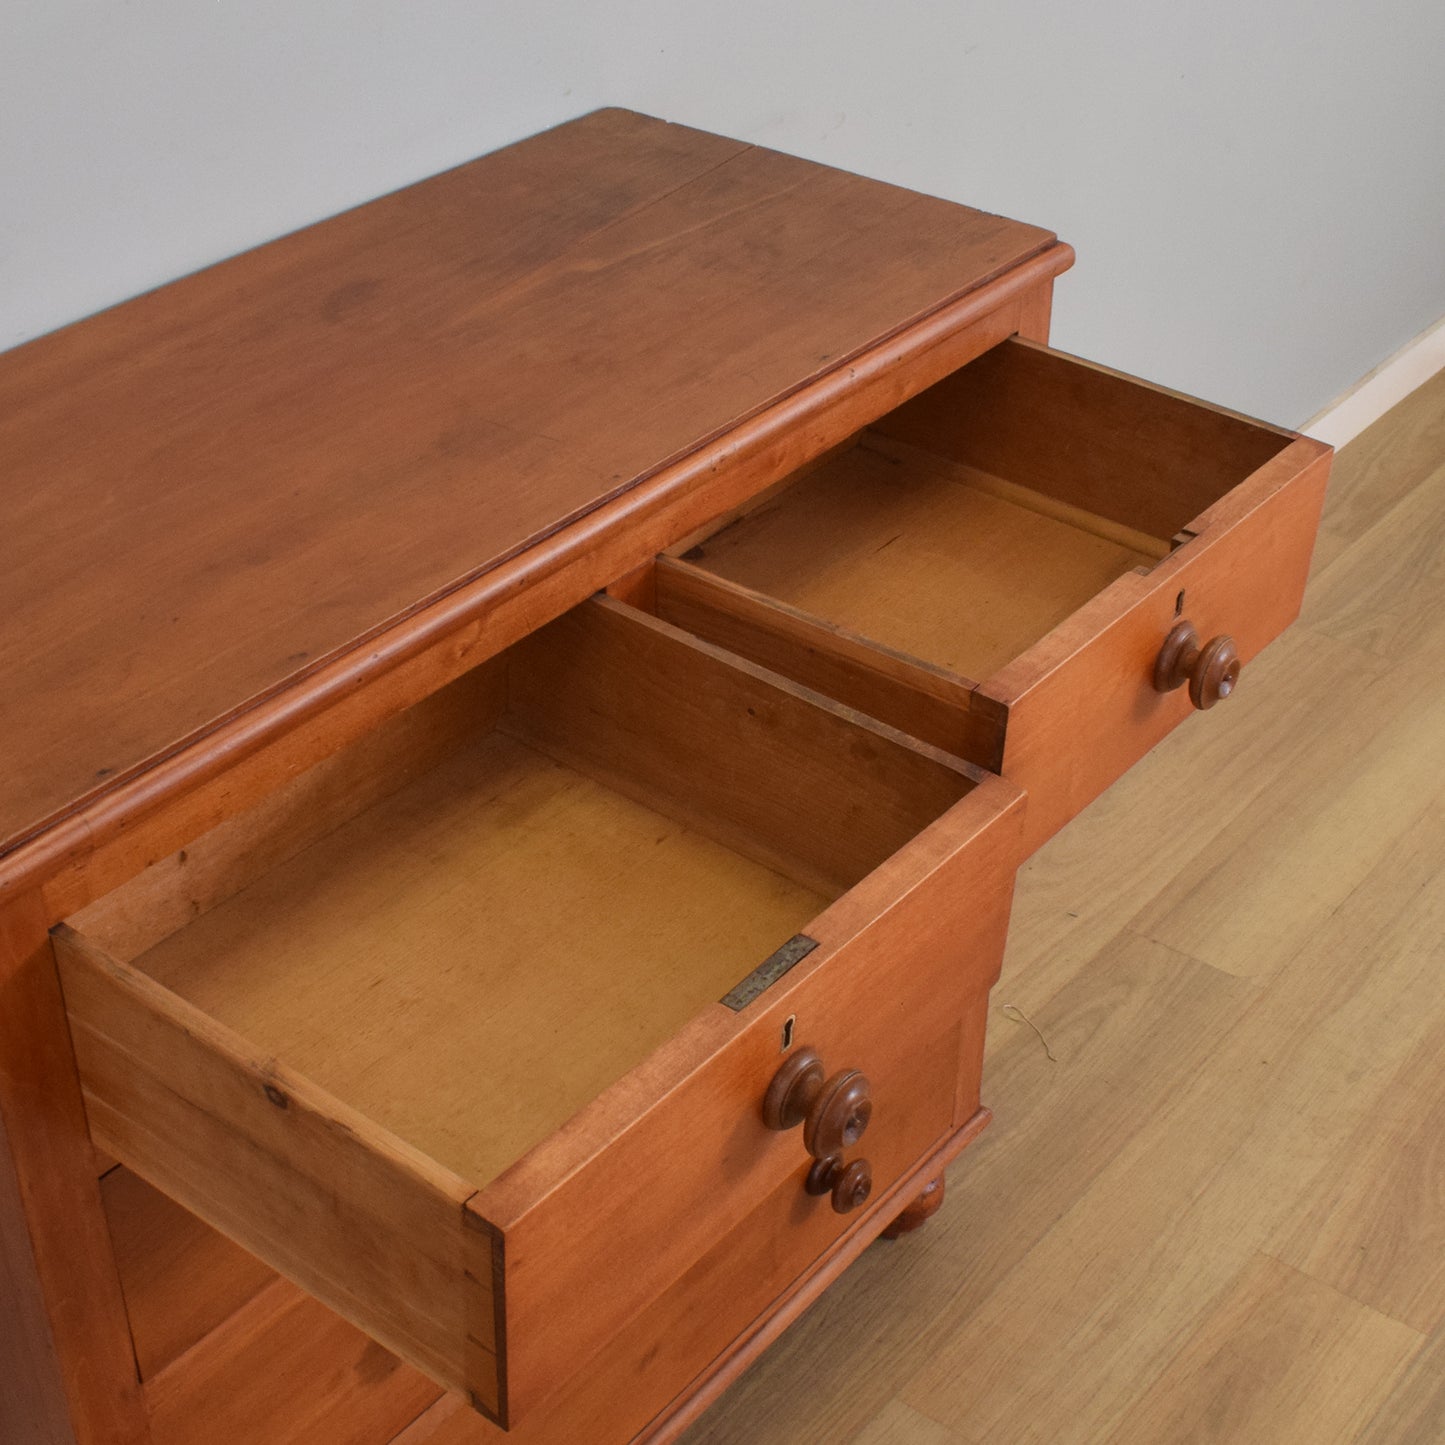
[924, 1206]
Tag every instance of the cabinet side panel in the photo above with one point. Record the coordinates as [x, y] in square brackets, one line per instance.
[32, 1395]
[66, 1369]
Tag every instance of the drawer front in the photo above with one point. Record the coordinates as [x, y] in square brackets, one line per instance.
[1237, 501]
[730, 1302]
[1083, 707]
[903, 964]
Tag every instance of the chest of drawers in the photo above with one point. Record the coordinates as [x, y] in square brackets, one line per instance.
[526, 702]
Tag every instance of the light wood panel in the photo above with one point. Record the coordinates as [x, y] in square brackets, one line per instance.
[180, 1278]
[1223, 1206]
[1373, 1224]
[260, 1152]
[1204, 1183]
[1388, 464]
[899, 1424]
[1277, 1353]
[1416, 1406]
[1258, 885]
[911, 552]
[284, 1370]
[1386, 603]
[478, 956]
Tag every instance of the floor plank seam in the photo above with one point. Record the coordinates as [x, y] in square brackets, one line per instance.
[1345, 1294]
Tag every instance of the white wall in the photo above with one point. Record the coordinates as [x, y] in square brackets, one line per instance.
[1256, 188]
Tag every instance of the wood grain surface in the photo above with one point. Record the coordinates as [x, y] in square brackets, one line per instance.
[222, 484]
[67, 1375]
[344, 1041]
[1140, 454]
[607, 1406]
[284, 1370]
[180, 1278]
[472, 961]
[314, 1187]
[912, 552]
[905, 692]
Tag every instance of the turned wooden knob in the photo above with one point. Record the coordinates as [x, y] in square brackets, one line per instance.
[838, 1115]
[833, 1114]
[849, 1184]
[1211, 671]
[794, 1087]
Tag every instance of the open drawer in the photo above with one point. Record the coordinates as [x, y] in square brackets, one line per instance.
[998, 566]
[468, 1029]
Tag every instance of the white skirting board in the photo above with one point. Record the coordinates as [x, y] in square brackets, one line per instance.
[1374, 394]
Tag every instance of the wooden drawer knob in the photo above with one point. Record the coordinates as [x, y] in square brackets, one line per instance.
[849, 1184]
[1211, 671]
[839, 1115]
[834, 1113]
[794, 1087]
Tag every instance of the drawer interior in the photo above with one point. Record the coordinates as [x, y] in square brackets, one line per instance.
[926, 555]
[472, 923]
[501, 939]
[963, 528]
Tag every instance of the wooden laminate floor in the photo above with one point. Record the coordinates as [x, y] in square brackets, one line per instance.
[1217, 1213]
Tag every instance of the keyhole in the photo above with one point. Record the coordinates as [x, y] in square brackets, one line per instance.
[788, 1032]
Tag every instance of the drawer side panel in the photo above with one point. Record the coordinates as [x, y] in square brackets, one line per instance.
[287, 1172]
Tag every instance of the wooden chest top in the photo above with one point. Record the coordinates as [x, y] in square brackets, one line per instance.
[213, 489]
